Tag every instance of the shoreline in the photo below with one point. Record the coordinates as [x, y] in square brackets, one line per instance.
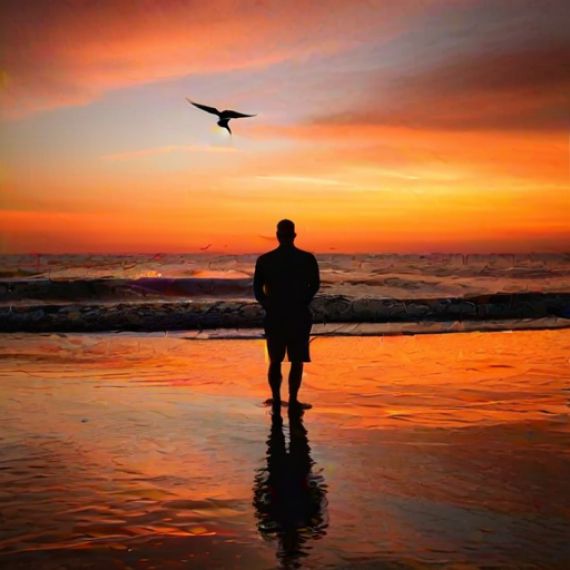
[332, 330]
[391, 329]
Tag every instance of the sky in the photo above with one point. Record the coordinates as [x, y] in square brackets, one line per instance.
[381, 125]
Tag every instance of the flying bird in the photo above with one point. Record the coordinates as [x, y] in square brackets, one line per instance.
[224, 117]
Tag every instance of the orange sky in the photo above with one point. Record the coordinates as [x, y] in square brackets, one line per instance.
[408, 126]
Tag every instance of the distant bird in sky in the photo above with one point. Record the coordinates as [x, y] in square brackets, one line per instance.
[223, 116]
[205, 248]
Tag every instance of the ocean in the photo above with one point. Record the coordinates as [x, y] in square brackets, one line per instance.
[208, 291]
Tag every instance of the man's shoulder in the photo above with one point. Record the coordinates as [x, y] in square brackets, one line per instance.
[307, 255]
[266, 256]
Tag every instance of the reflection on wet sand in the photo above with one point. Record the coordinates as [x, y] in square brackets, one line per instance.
[289, 495]
[139, 451]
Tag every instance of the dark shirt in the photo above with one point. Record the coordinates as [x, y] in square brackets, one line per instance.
[286, 279]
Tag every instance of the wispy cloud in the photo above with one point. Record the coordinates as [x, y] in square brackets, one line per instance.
[63, 53]
[522, 89]
[160, 150]
[317, 181]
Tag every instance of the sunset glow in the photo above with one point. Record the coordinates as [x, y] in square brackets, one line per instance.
[381, 126]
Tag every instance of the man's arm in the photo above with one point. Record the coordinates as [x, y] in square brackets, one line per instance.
[258, 282]
[314, 279]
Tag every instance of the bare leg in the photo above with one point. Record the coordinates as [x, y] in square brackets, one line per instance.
[295, 377]
[274, 377]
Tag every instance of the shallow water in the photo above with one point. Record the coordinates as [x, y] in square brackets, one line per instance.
[153, 451]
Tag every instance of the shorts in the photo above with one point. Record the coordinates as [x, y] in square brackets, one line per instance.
[288, 333]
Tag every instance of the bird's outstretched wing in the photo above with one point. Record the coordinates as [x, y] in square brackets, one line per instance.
[212, 110]
[229, 114]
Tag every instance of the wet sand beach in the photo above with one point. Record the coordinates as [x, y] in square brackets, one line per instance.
[155, 451]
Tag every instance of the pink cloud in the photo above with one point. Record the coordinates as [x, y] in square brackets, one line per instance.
[69, 53]
[522, 89]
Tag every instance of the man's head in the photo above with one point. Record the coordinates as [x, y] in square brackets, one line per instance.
[286, 232]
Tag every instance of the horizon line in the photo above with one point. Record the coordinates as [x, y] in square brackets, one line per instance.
[332, 252]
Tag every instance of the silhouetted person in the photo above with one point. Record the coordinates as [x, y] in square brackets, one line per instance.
[286, 280]
[289, 499]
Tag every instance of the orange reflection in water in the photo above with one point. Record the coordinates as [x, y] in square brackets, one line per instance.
[128, 442]
[444, 379]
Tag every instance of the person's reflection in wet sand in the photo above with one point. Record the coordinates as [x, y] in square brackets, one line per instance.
[289, 498]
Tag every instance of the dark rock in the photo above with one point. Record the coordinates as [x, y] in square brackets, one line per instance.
[242, 314]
